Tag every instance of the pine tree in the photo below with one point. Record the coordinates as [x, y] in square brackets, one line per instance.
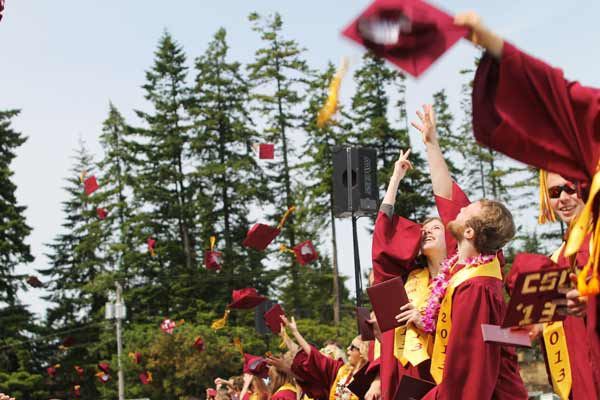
[228, 171]
[279, 74]
[373, 128]
[448, 139]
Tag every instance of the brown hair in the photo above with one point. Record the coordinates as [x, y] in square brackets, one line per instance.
[493, 228]
[280, 377]
[238, 383]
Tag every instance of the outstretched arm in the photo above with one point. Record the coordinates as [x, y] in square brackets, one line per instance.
[440, 175]
[299, 338]
[480, 35]
[400, 167]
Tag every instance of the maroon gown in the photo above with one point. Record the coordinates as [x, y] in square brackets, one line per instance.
[526, 109]
[315, 373]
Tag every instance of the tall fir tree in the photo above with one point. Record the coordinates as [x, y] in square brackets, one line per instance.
[17, 354]
[161, 186]
[226, 167]
[450, 141]
[76, 266]
[371, 109]
[279, 74]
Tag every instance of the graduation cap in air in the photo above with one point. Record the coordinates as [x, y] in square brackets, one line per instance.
[245, 298]
[34, 282]
[103, 377]
[102, 213]
[266, 151]
[305, 252]
[256, 366]
[151, 244]
[198, 344]
[145, 377]
[260, 235]
[136, 357]
[273, 318]
[213, 259]
[168, 326]
[67, 342]
[90, 185]
[411, 34]
[104, 367]
[80, 371]
[53, 370]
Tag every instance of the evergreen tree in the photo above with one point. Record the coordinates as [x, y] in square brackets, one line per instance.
[228, 171]
[279, 74]
[450, 142]
[373, 128]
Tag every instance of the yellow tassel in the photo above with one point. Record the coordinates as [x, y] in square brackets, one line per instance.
[285, 338]
[149, 376]
[283, 249]
[331, 105]
[221, 322]
[546, 211]
[82, 176]
[152, 252]
[213, 239]
[237, 343]
[285, 216]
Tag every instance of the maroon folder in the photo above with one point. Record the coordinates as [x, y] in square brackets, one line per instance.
[366, 329]
[498, 335]
[387, 298]
[273, 318]
[361, 381]
[412, 388]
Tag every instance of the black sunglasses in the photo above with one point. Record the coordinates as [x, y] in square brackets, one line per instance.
[353, 347]
[555, 191]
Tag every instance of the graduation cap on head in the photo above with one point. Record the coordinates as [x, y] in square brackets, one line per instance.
[331, 104]
[80, 371]
[198, 344]
[266, 151]
[245, 298]
[213, 259]
[136, 357]
[260, 235]
[145, 377]
[102, 213]
[90, 185]
[33, 281]
[411, 34]
[151, 244]
[256, 366]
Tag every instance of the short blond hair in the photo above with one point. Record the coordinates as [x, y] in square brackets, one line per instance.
[493, 228]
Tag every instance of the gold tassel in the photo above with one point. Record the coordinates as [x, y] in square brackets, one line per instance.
[237, 343]
[546, 211]
[221, 322]
[285, 338]
[82, 176]
[284, 249]
[331, 105]
[213, 239]
[285, 216]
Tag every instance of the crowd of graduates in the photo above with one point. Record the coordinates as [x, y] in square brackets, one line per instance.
[451, 264]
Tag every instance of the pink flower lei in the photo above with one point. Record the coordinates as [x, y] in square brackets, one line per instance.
[439, 284]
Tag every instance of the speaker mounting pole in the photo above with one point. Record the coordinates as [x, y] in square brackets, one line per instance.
[357, 270]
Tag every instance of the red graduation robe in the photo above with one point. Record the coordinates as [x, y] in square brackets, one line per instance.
[474, 369]
[527, 110]
[315, 373]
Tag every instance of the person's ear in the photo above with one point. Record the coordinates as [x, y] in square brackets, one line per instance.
[469, 233]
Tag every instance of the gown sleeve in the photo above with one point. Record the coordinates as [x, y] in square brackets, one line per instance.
[448, 209]
[316, 372]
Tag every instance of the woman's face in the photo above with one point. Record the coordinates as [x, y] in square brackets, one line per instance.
[563, 198]
[353, 352]
[432, 237]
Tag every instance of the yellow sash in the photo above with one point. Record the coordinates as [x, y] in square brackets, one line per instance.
[557, 353]
[411, 344]
[376, 349]
[339, 390]
[444, 322]
[286, 386]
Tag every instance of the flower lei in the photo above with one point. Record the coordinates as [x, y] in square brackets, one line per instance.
[439, 284]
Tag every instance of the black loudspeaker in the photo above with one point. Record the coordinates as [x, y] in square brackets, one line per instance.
[354, 181]
[259, 317]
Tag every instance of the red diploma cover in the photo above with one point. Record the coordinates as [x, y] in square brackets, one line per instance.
[387, 298]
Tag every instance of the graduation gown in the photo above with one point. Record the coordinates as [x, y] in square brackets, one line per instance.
[526, 109]
[285, 392]
[474, 370]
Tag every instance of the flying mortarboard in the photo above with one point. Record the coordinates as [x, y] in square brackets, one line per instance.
[136, 357]
[90, 185]
[53, 370]
[103, 377]
[266, 151]
[273, 318]
[245, 298]
[168, 326]
[102, 213]
[213, 259]
[145, 377]
[260, 235]
[104, 367]
[33, 281]
[305, 252]
[151, 244]
[256, 366]
[411, 34]
[80, 371]
[198, 344]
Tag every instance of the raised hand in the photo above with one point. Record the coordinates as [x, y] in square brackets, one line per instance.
[402, 165]
[427, 124]
[290, 324]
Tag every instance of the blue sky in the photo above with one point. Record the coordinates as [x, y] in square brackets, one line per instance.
[61, 62]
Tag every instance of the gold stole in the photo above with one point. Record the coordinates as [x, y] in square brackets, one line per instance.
[444, 322]
[376, 349]
[287, 386]
[411, 344]
[341, 381]
[557, 353]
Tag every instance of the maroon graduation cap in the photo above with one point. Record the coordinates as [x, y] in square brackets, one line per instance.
[1, 8]
[266, 151]
[90, 185]
[34, 282]
[260, 235]
[411, 34]
[198, 344]
[256, 366]
[136, 357]
[104, 367]
[67, 342]
[80, 371]
[145, 377]
[151, 242]
[273, 318]
[103, 377]
[102, 213]
[213, 259]
[53, 370]
[245, 298]
[305, 252]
